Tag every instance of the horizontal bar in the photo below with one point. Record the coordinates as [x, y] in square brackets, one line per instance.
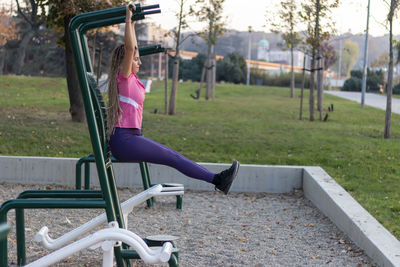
[103, 22]
[150, 12]
[100, 15]
[140, 8]
[61, 194]
[129, 254]
[148, 50]
[54, 203]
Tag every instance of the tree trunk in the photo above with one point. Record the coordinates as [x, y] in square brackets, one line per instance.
[99, 60]
[302, 87]
[388, 116]
[209, 67]
[94, 49]
[2, 59]
[75, 96]
[21, 52]
[312, 85]
[291, 72]
[175, 69]
[175, 76]
[208, 72]
[166, 84]
[314, 53]
[214, 73]
[203, 73]
[320, 85]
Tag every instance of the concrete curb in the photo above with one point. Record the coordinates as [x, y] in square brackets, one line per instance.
[251, 178]
[318, 186]
[338, 205]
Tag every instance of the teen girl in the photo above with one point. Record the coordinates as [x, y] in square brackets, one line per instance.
[125, 109]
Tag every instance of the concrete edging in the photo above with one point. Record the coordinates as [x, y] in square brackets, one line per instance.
[344, 211]
[328, 196]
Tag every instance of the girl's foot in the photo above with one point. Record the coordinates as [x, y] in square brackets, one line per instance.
[224, 179]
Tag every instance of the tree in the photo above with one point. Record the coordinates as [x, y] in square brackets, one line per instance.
[381, 62]
[30, 27]
[57, 14]
[211, 13]
[286, 24]
[232, 69]
[315, 13]
[349, 57]
[388, 117]
[8, 31]
[182, 24]
[328, 54]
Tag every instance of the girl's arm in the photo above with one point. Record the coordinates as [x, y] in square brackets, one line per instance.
[129, 43]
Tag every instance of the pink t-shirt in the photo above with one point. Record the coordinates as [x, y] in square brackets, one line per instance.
[131, 97]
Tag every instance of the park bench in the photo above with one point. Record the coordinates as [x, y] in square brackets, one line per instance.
[115, 239]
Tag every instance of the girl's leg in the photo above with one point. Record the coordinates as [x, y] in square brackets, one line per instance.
[127, 145]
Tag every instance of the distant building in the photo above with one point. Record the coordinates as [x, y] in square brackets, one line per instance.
[151, 33]
[278, 56]
[263, 50]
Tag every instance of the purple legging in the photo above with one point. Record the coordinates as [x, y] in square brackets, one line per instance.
[127, 145]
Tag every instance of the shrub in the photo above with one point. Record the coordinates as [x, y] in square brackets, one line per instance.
[396, 89]
[354, 83]
[260, 77]
[232, 69]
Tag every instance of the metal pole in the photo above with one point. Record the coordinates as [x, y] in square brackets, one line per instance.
[159, 65]
[364, 76]
[248, 58]
[340, 59]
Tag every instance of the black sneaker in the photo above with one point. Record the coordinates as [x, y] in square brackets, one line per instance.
[224, 179]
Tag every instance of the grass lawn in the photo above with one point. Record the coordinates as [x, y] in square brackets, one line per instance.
[256, 125]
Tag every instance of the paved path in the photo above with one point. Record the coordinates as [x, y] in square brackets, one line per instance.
[373, 100]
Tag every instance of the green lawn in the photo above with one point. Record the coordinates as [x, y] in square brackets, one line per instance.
[256, 125]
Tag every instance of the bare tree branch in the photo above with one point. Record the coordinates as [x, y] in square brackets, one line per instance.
[23, 15]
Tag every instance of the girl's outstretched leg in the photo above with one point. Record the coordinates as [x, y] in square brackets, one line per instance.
[129, 146]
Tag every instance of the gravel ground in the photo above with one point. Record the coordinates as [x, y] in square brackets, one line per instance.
[241, 229]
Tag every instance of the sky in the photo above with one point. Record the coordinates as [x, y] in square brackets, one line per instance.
[351, 16]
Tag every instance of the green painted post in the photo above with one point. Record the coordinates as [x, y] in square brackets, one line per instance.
[145, 181]
[3, 241]
[148, 180]
[20, 234]
[78, 174]
[87, 175]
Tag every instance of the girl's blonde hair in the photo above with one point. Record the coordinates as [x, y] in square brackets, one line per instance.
[114, 111]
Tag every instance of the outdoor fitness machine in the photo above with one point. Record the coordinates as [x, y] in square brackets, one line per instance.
[115, 239]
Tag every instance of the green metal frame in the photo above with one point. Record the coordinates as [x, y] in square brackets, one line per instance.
[85, 161]
[107, 198]
[144, 170]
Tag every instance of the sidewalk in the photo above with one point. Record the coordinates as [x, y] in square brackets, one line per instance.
[373, 100]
